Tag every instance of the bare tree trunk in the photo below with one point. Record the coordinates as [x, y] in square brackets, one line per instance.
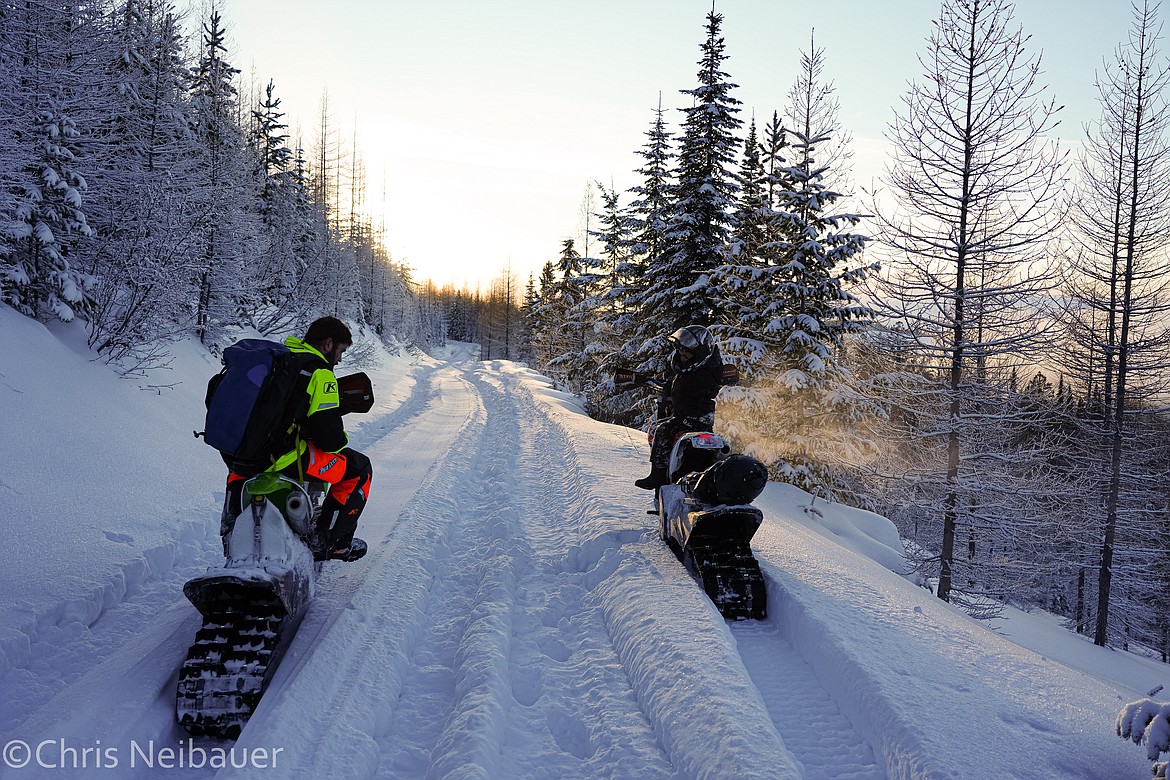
[975, 179]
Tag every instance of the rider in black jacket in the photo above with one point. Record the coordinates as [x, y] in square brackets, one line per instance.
[688, 397]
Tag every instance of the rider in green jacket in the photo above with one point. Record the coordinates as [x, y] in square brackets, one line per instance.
[322, 450]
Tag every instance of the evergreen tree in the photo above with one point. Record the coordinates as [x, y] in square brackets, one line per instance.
[610, 280]
[650, 214]
[576, 284]
[602, 283]
[545, 316]
[528, 307]
[787, 299]
[703, 198]
[754, 208]
[819, 257]
[270, 142]
[270, 300]
[773, 158]
[47, 226]
[224, 235]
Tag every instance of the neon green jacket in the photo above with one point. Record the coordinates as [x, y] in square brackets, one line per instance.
[322, 423]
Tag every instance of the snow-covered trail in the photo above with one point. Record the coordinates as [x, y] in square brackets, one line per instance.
[517, 617]
[468, 649]
[498, 632]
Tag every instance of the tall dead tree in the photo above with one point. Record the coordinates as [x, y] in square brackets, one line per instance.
[971, 188]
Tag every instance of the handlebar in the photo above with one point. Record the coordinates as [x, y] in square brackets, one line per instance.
[636, 379]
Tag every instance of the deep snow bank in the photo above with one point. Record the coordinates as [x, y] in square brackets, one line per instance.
[104, 488]
[938, 694]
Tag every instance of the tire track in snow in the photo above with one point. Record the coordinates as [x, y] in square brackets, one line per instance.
[577, 714]
[340, 699]
[811, 724]
[501, 686]
[681, 658]
[451, 707]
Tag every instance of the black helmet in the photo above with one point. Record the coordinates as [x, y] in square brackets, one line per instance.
[692, 345]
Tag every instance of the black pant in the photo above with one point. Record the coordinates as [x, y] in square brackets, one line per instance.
[669, 428]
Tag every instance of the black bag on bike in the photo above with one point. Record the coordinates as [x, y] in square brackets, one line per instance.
[736, 479]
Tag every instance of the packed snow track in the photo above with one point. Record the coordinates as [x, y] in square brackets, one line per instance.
[516, 617]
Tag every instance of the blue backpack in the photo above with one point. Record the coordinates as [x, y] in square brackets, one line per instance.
[252, 404]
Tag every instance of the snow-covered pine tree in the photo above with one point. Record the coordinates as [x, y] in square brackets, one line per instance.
[14, 157]
[47, 226]
[273, 299]
[577, 283]
[819, 257]
[813, 104]
[615, 225]
[973, 186]
[225, 233]
[650, 211]
[544, 317]
[608, 307]
[600, 289]
[528, 308]
[754, 208]
[756, 245]
[787, 297]
[274, 158]
[703, 199]
[744, 280]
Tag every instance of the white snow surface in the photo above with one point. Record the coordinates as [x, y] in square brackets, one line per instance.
[517, 616]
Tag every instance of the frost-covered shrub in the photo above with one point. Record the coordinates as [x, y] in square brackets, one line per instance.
[1147, 721]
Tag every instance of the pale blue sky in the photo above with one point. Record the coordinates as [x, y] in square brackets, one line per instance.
[490, 117]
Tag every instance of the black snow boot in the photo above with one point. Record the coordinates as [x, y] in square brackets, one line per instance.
[355, 550]
[656, 479]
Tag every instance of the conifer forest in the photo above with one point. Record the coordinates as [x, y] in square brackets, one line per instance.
[978, 348]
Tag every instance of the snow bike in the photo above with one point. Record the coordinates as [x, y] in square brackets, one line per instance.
[253, 603]
[706, 517]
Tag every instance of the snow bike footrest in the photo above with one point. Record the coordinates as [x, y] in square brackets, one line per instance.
[731, 578]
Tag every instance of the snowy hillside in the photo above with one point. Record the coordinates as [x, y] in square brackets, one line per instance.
[517, 616]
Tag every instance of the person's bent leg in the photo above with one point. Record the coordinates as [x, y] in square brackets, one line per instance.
[348, 472]
[660, 455]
